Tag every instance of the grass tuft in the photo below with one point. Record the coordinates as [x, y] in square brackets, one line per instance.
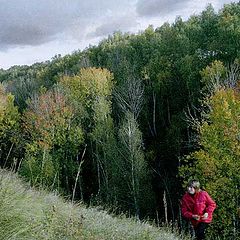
[30, 214]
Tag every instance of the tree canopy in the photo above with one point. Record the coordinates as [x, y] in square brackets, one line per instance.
[112, 123]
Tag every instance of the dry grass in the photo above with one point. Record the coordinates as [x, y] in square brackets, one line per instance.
[30, 214]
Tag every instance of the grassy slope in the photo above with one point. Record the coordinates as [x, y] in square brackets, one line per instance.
[29, 214]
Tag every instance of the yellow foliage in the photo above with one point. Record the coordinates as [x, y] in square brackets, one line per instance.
[217, 163]
[88, 84]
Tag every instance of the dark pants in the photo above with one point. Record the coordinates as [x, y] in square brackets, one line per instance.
[200, 230]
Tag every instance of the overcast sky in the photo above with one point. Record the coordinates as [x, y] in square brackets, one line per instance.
[36, 30]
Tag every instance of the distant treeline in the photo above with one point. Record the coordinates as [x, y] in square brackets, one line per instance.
[126, 123]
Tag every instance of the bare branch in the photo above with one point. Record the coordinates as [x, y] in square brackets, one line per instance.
[130, 96]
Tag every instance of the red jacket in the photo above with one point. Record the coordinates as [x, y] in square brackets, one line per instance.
[197, 204]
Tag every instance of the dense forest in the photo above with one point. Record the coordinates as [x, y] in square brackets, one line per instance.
[126, 123]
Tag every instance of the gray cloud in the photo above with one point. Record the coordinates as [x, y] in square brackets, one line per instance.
[123, 23]
[34, 22]
[26, 22]
[148, 8]
[32, 30]
[219, 3]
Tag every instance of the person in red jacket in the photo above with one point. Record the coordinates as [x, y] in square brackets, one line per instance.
[197, 206]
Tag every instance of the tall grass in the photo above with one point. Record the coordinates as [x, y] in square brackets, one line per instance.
[29, 214]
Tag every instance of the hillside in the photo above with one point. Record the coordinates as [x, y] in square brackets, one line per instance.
[129, 122]
[30, 214]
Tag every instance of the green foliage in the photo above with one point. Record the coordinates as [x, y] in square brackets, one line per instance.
[105, 151]
[217, 164]
[167, 62]
[8, 112]
[89, 92]
[133, 168]
[229, 31]
[55, 136]
[23, 82]
[9, 128]
[86, 87]
[213, 76]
